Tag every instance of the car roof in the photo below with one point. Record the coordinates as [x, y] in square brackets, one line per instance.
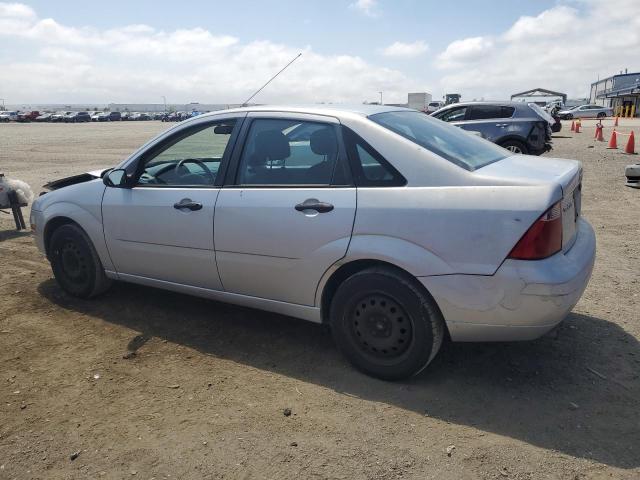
[319, 109]
[497, 102]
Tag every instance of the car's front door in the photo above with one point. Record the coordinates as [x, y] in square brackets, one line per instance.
[287, 209]
[161, 227]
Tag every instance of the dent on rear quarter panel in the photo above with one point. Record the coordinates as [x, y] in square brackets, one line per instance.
[468, 230]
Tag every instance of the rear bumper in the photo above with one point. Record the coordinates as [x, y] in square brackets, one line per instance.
[522, 300]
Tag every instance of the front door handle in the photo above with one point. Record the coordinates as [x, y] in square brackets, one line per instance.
[188, 204]
[312, 204]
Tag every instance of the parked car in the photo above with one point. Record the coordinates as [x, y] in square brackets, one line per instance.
[25, 117]
[434, 106]
[125, 116]
[137, 116]
[95, 116]
[450, 234]
[8, 116]
[60, 116]
[171, 117]
[77, 117]
[516, 126]
[45, 117]
[115, 116]
[586, 111]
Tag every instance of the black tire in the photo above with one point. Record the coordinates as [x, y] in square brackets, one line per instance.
[602, 115]
[75, 262]
[404, 327]
[568, 116]
[515, 146]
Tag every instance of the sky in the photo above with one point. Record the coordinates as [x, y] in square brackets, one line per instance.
[210, 51]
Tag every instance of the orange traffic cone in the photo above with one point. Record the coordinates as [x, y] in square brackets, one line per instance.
[573, 126]
[616, 122]
[599, 134]
[578, 126]
[613, 141]
[631, 145]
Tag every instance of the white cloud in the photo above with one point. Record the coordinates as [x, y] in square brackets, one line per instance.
[16, 10]
[563, 49]
[52, 62]
[406, 50]
[462, 52]
[57, 54]
[368, 7]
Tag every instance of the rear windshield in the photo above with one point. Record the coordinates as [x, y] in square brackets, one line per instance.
[463, 148]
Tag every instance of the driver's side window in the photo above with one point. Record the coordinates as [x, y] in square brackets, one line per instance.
[192, 158]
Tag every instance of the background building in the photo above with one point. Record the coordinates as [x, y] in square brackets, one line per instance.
[620, 90]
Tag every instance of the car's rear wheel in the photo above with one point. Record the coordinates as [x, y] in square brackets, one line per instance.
[75, 262]
[515, 146]
[385, 324]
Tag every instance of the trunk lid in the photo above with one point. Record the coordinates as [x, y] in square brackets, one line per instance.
[530, 170]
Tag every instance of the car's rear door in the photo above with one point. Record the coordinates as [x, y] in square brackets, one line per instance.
[286, 212]
[162, 227]
[492, 121]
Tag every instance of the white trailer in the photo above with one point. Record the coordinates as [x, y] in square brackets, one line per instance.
[419, 101]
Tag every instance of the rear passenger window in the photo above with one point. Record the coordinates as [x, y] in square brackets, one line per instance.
[370, 169]
[288, 152]
[484, 112]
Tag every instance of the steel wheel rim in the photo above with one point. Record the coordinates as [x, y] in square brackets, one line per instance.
[74, 264]
[380, 327]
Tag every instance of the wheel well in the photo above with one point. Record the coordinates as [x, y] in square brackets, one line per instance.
[521, 140]
[344, 272]
[51, 226]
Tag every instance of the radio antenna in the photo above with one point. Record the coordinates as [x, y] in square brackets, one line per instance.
[244, 104]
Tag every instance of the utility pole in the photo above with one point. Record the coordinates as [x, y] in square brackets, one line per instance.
[380, 97]
[2, 104]
[165, 103]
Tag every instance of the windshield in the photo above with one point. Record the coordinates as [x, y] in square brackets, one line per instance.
[458, 146]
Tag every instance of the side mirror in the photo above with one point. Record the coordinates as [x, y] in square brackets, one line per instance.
[116, 178]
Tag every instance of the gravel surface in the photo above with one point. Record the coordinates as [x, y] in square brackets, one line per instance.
[142, 383]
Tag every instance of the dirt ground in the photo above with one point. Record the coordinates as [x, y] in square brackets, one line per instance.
[205, 395]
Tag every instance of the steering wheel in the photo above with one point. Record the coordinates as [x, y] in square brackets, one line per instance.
[202, 165]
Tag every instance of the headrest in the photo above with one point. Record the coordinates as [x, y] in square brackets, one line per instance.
[324, 142]
[272, 145]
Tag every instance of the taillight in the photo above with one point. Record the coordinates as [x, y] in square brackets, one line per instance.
[543, 239]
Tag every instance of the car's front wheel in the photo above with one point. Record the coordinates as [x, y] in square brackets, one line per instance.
[385, 324]
[515, 146]
[602, 115]
[75, 262]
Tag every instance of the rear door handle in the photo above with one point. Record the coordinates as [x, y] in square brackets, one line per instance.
[501, 124]
[320, 207]
[188, 204]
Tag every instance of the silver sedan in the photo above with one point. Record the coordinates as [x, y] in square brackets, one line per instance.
[392, 227]
[585, 111]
